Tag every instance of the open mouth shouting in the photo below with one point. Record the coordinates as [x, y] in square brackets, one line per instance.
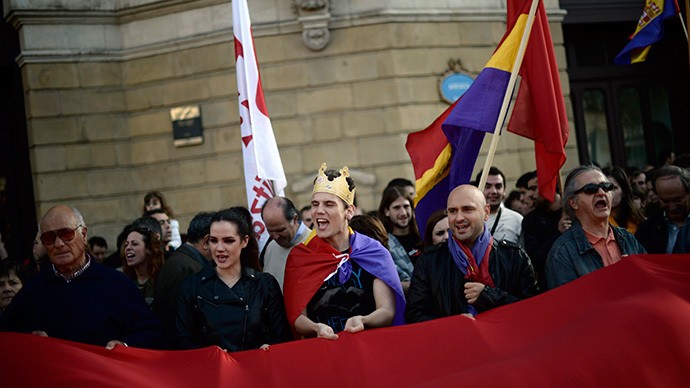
[601, 204]
[131, 257]
[322, 224]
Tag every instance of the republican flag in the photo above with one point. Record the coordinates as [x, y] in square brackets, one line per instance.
[444, 154]
[539, 110]
[430, 154]
[650, 29]
[264, 176]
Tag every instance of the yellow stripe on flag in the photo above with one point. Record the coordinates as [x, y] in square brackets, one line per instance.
[639, 55]
[435, 174]
[504, 57]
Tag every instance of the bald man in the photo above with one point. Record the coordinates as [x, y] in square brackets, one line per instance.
[286, 230]
[471, 272]
[77, 299]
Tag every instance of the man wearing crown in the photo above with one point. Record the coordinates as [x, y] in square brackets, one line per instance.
[338, 279]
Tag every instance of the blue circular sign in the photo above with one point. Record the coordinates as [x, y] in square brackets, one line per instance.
[455, 85]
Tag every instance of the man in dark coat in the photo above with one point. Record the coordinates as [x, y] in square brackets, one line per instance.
[188, 259]
[471, 272]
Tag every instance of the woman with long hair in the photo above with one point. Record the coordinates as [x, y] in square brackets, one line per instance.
[142, 259]
[232, 305]
[436, 231]
[624, 214]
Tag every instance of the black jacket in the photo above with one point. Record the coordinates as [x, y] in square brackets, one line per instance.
[653, 233]
[247, 316]
[539, 232]
[184, 261]
[438, 285]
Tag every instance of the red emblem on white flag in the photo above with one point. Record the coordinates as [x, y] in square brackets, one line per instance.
[264, 176]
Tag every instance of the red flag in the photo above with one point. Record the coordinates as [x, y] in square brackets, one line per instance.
[625, 325]
[264, 176]
[539, 110]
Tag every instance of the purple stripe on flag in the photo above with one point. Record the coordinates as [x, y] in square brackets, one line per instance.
[475, 114]
[434, 200]
[479, 107]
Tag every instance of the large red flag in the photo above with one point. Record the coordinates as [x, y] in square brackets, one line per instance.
[264, 176]
[539, 110]
[625, 325]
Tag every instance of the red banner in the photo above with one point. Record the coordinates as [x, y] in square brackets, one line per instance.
[624, 325]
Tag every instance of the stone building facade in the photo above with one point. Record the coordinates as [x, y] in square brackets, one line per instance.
[345, 82]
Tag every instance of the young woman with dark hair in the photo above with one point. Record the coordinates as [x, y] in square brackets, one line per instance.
[231, 305]
[436, 231]
[142, 259]
[623, 211]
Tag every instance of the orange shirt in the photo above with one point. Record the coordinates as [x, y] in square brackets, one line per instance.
[606, 247]
[632, 228]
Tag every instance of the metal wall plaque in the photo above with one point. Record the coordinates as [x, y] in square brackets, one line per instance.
[187, 129]
[454, 85]
[454, 82]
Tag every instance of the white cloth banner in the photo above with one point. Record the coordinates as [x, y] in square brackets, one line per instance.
[264, 176]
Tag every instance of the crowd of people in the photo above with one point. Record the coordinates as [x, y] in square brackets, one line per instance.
[327, 268]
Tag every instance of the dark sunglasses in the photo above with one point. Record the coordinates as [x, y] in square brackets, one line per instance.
[65, 234]
[593, 188]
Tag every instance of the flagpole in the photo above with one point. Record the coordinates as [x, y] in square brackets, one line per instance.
[509, 93]
[682, 22]
[687, 17]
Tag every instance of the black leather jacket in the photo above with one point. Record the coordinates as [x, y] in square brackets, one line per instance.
[438, 285]
[247, 316]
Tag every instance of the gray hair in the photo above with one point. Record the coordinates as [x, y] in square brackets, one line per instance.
[78, 216]
[570, 186]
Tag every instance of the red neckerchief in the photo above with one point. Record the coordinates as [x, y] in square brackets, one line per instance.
[478, 273]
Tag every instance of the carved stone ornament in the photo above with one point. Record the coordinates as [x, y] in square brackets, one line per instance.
[314, 16]
[316, 38]
[311, 5]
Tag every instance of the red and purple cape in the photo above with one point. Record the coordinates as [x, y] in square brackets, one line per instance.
[310, 262]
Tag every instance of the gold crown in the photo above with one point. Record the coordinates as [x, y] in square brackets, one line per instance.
[337, 186]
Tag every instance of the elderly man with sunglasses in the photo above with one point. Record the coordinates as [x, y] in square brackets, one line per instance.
[591, 242]
[77, 299]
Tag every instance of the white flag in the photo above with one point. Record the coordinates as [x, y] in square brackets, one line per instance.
[264, 176]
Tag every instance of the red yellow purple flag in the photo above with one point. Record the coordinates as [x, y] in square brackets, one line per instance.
[539, 110]
[444, 154]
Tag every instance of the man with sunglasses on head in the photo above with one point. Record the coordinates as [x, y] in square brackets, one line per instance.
[591, 242]
[77, 299]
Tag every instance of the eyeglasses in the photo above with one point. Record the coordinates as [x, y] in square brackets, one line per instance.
[65, 234]
[593, 188]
